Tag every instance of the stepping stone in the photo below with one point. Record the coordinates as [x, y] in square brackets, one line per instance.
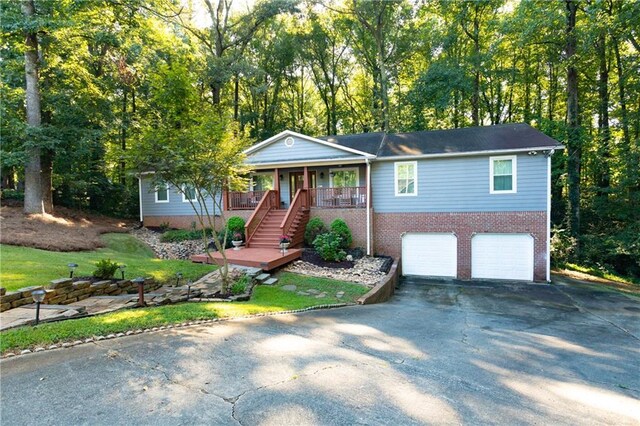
[313, 291]
[321, 295]
[262, 277]
[272, 281]
[303, 293]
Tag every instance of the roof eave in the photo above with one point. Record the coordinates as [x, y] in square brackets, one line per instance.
[468, 153]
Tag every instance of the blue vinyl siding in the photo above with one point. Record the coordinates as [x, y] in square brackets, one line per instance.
[175, 206]
[461, 185]
[301, 150]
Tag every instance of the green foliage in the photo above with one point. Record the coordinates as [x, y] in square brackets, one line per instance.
[235, 224]
[314, 227]
[164, 226]
[340, 228]
[562, 246]
[11, 194]
[329, 247]
[177, 235]
[240, 286]
[105, 269]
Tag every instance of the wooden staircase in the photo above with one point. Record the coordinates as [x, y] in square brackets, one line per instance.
[266, 232]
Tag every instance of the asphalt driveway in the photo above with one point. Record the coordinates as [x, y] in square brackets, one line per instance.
[439, 352]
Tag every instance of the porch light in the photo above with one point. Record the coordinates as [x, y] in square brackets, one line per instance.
[72, 267]
[321, 175]
[281, 177]
[178, 277]
[38, 297]
[122, 268]
[332, 174]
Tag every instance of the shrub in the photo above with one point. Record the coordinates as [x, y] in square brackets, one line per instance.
[177, 235]
[341, 229]
[329, 248]
[236, 224]
[240, 286]
[164, 226]
[105, 269]
[12, 194]
[314, 228]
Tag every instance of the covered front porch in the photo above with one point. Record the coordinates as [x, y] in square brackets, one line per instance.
[328, 187]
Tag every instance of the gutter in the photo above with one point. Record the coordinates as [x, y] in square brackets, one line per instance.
[549, 154]
[140, 197]
[470, 153]
[368, 207]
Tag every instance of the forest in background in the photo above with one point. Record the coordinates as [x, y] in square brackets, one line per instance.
[113, 73]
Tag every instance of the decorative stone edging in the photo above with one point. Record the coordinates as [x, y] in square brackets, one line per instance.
[94, 339]
[384, 289]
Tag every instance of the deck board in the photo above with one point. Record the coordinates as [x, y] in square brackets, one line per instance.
[264, 258]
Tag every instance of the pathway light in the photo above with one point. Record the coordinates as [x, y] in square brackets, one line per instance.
[38, 297]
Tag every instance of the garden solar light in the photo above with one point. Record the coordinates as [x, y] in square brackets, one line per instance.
[178, 277]
[38, 297]
[72, 267]
[189, 289]
[122, 268]
[140, 282]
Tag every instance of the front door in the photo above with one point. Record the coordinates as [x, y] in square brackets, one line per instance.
[296, 181]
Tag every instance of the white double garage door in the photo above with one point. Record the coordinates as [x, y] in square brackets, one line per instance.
[493, 256]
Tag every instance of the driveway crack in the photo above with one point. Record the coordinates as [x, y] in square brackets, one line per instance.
[585, 310]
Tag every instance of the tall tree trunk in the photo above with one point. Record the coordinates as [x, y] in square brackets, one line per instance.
[123, 136]
[33, 201]
[46, 180]
[574, 142]
[604, 134]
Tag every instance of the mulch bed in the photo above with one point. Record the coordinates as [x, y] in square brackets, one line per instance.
[310, 256]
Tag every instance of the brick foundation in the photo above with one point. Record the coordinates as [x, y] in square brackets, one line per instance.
[389, 227]
[185, 222]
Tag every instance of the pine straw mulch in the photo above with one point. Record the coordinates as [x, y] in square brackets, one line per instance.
[64, 230]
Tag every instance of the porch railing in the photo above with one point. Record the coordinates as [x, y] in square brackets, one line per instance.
[268, 202]
[299, 202]
[339, 198]
[244, 200]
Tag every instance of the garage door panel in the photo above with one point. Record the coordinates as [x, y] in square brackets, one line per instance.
[430, 254]
[502, 256]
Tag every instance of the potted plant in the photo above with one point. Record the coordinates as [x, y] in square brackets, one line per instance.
[285, 241]
[237, 240]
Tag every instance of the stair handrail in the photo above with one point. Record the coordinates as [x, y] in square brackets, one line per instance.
[299, 202]
[266, 204]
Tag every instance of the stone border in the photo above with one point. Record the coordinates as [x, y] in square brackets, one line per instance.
[385, 287]
[93, 339]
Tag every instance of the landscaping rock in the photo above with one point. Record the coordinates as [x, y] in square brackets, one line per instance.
[62, 282]
[366, 270]
[271, 281]
[179, 250]
[78, 285]
[3, 291]
[11, 297]
[289, 287]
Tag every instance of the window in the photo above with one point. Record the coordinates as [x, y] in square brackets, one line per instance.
[261, 182]
[502, 179]
[162, 193]
[188, 193]
[344, 178]
[406, 174]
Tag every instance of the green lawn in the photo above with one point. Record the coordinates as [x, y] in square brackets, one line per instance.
[24, 266]
[265, 299]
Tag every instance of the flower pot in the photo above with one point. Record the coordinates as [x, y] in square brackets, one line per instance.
[284, 246]
[236, 244]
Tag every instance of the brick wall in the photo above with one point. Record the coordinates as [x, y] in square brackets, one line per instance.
[356, 219]
[184, 222]
[389, 227]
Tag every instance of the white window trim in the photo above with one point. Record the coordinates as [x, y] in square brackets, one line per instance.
[514, 174]
[156, 194]
[252, 184]
[344, 169]
[184, 198]
[415, 178]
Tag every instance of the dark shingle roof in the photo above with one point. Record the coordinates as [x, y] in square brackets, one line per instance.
[454, 141]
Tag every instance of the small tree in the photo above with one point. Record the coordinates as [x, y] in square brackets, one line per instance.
[193, 148]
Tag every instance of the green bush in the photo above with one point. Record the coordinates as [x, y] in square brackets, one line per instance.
[235, 224]
[314, 228]
[164, 226]
[105, 269]
[11, 194]
[341, 229]
[329, 246]
[177, 235]
[240, 286]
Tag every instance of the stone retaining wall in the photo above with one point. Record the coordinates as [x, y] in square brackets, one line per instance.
[64, 291]
[384, 289]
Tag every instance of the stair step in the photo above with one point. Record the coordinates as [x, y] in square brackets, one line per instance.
[270, 281]
[263, 277]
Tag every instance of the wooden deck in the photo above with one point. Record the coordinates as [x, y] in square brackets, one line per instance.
[264, 258]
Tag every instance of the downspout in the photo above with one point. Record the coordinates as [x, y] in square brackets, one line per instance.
[140, 199]
[368, 207]
[549, 215]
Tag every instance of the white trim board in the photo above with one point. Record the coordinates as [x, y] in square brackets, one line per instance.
[286, 133]
[514, 174]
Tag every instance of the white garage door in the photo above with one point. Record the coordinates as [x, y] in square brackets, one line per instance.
[430, 254]
[502, 256]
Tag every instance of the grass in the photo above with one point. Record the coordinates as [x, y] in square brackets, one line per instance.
[602, 274]
[265, 299]
[25, 266]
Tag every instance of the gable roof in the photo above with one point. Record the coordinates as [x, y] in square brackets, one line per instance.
[286, 133]
[367, 142]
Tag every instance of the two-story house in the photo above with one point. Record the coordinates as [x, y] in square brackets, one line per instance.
[469, 203]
